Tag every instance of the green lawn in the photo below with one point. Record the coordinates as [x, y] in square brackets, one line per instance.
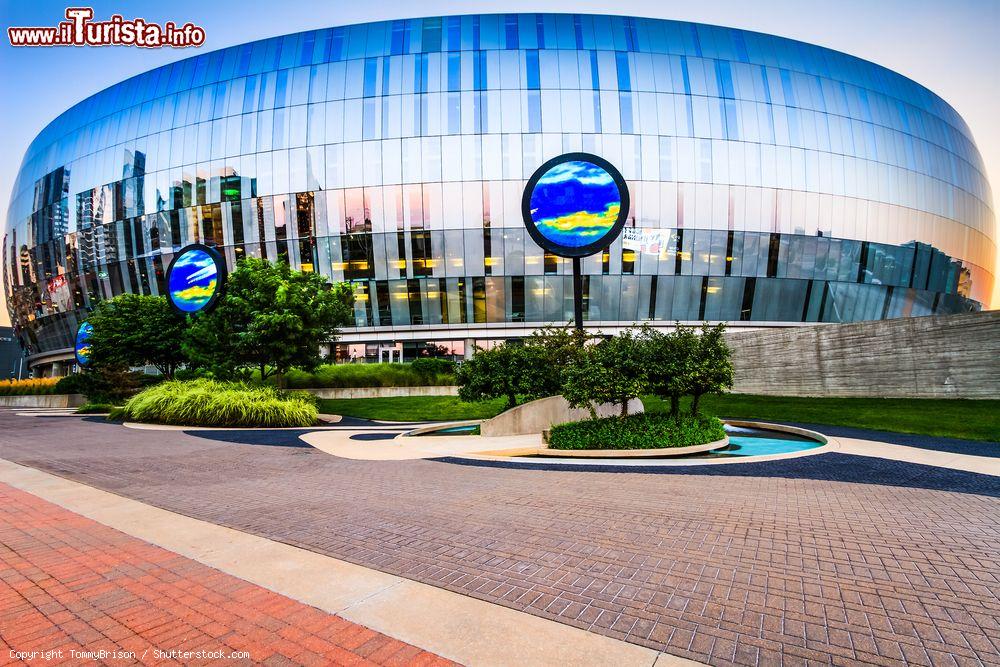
[971, 420]
[411, 408]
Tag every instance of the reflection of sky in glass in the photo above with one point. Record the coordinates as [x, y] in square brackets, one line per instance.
[193, 280]
[83, 343]
[575, 203]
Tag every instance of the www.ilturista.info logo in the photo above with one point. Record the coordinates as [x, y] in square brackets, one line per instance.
[80, 30]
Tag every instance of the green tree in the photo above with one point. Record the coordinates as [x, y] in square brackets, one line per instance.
[136, 330]
[508, 370]
[612, 371]
[270, 318]
[562, 346]
[710, 369]
[669, 363]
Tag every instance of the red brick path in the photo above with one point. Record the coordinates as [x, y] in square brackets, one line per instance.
[67, 582]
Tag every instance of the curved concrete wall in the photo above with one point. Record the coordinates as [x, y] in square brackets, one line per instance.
[537, 416]
[43, 401]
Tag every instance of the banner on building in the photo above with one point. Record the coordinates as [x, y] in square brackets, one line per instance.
[648, 241]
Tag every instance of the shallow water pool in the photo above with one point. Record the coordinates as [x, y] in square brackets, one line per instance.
[744, 441]
[464, 429]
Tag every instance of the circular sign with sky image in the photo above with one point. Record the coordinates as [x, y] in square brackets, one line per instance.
[575, 204]
[195, 278]
[83, 343]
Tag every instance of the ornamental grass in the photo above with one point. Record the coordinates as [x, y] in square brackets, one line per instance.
[29, 387]
[211, 403]
[420, 373]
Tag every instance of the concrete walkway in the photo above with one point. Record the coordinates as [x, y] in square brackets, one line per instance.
[461, 628]
[985, 465]
[833, 558]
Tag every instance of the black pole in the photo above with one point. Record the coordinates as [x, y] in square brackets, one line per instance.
[577, 294]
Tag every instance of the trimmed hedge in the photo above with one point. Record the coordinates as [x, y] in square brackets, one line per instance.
[74, 383]
[29, 387]
[211, 403]
[641, 431]
[420, 373]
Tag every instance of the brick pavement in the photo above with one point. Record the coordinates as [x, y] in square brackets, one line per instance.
[69, 583]
[824, 559]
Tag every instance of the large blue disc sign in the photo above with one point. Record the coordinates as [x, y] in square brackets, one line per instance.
[195, 278]
[575, 204]
[82, 350]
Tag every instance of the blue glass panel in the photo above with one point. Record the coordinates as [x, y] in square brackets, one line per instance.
[621, 64]
[510, 32]
[531, 68]
[454, 72]
[371, 77]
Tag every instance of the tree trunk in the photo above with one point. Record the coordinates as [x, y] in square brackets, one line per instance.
[511, 401]
[675, 405]
[625, 408]
[694, 404]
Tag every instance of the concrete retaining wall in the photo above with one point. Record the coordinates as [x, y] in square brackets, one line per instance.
[954, 356]
[44, 401]
[384, 392]
[543, 414]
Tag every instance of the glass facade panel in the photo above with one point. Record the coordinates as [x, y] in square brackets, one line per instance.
[785, 182]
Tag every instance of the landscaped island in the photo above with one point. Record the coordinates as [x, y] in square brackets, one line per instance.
[597, 374]
[946, 418]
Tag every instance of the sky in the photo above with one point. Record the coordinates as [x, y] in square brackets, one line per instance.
[950, 46]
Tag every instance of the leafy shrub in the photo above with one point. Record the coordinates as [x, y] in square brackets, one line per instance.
[133, 330]
[71, 384]
[108, 384]
[29, 387]
[683, 363]
[641, 431]
[271, 318]
[94, 408]
[431, 366]
[191, 373]
[509, 370]
[612, 371]
[562, 346]
[211, 403]
[370, 375]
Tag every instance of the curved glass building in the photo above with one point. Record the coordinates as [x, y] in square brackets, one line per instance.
[772, 182]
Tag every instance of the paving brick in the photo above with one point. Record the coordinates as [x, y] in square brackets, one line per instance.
[794, 553]
[142, 619]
